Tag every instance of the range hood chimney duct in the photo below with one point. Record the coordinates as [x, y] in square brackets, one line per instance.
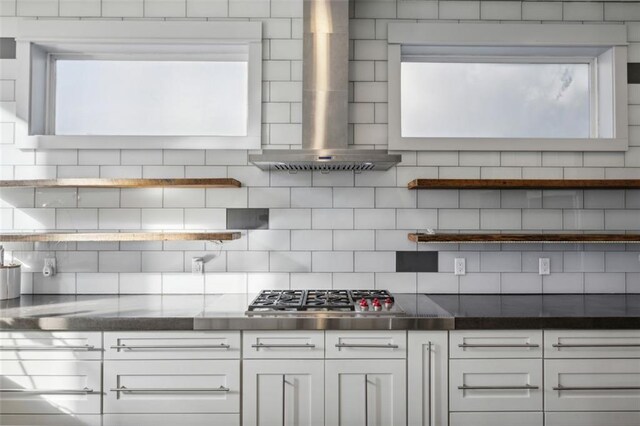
[325, 100]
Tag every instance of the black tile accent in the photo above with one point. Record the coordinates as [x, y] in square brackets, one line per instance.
[633, 73]
[247, 218]
[7, 48]
[416, 261]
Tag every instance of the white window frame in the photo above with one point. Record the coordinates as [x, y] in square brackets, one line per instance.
[41, 43]
[611, 39]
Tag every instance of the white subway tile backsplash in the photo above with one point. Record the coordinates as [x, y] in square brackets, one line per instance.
[317, 240]
[521, 283]
[163, 218]
[311, 197]
[583, 262]
[273, 281]
[119, 261]
[262, 239]
[34, 219]
[416, 218]
[311, 281]
[563, 283]
[491, 261]
[162, 261]
[217, 283]
[480, 283]
[290, 261]
[183, 197]
[628, 220]
[119, 219]
[418, 9]
[583, 219]
[332, 218]
[489, 199]
[205, 219]
[182, 284]
[583, 11]
[86, 219]
[502, 10]
[269, 197]
[374, 218]
[377, 261]
[437, 283]
[353, 197]
[63, 283]
[332, 261]
[604, 283]
[542, 11]
[94, 283]
[621, 262]
[248, 261]
[403, 282]
[353, 240]
[500, 219]
[550, 219]
[458, 219]
[446, 261]
[140, 197]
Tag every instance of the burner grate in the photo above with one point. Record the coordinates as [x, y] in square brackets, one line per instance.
[314, 300]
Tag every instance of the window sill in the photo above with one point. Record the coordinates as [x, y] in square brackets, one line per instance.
[507, 144]
[139, 142]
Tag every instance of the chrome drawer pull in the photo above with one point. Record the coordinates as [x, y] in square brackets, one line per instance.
[47, 348]
[596, 345]
[595, 388]
[366, 345]
[173, 390]
[525, 387]
[221, 346]
[49, 391]
[284, 345]
[498, 345]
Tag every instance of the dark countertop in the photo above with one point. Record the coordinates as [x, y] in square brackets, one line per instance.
[227, 312]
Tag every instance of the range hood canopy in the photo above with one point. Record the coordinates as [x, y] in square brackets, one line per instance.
[325, 101]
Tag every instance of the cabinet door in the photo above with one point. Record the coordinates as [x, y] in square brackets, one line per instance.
[365, 392]
[493, 344]
[179, 386]
[428, 366]
[50, 420]
[592, 344]
[591, 418]
[592, 384]
[21, 345]
[366, 344]
[283, 344]
[283, 392]
[505, 418]
[181, 419]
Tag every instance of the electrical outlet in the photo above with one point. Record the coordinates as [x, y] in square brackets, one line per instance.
[544, 266]
[197, 265]
[49, 267]
[460, 266]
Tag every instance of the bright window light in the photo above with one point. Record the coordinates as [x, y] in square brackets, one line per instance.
[495, 100]
[150, 98]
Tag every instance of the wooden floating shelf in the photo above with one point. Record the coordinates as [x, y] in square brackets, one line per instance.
[524, 184]
[123, 183]
[119, 236]
[525, 238]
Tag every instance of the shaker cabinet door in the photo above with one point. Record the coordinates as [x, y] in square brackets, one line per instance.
[365, 392]
[283, 392]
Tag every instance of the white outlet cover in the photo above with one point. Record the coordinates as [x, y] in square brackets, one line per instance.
[459, 266]
[544, 266]
[197, 265]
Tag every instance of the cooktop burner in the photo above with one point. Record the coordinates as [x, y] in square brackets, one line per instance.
[355, 301]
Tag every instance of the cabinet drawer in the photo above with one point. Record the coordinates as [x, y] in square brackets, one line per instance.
[497, 419]
[495, 385]
[366, 344]
[592, 419]
[172, 345]
[495, 344]
[171, 419]
[50, 345]
[592, 344]
[50, 420]
[172, 386]
[50, 387]
[590, 384]
[283, 344]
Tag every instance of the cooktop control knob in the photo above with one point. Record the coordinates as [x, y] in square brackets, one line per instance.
[363, 304]
[376, 304]
[388, 303]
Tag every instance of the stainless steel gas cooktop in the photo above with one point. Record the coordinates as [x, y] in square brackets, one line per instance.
[369, 302]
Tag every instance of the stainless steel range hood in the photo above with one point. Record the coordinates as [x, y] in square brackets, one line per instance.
[325, 99]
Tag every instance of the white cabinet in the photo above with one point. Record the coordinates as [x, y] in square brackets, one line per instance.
[50, 387]
[172, 345]
[496, 344]
[592, 344]
[366, 344]
[21, 345]
[592, 385]
[181, 419]
[495, 385]
[427, 381]
[50, 420]
[365, 392]
[592, 418]
[282, 344]
[504, 418]
[172, 386]
[283, 392]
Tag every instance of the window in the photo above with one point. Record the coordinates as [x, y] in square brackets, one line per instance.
[448, 94]
[133, 94]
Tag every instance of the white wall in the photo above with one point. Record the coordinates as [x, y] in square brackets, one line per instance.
[336, 230]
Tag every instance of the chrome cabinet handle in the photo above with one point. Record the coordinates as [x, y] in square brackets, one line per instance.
[284, 345]
[49, 391]
[594, 388]
[430, 387]
[47, 348]
[174, 390]
[525, 387]
[498, 345]
[132, 347]
[596, 345]
[366, 345]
